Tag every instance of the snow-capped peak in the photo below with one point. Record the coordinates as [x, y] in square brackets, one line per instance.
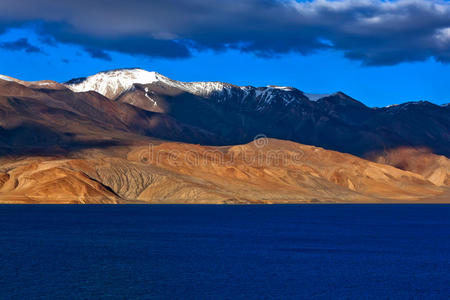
[112, 83]
[3, 77]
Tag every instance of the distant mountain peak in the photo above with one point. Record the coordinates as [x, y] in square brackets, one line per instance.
[114, 82]
[412, 104]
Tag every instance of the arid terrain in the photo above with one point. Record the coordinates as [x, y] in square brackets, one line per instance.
[59, 145]
[170, 172]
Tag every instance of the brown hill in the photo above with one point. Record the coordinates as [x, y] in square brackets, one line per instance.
[435, 168]
[58, 146]
[278, 172]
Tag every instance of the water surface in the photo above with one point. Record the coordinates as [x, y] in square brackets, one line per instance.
[225, 252]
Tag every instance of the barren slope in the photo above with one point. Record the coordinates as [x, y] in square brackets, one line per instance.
[58, 146]
[277, 172]
[435, 168]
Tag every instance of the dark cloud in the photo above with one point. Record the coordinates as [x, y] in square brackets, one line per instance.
[375, 32]
[97, 53]
[131, 44]
[6, 23]
[49, 41]
[20, 45]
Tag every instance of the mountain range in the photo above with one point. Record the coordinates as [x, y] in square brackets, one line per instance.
[93, 140]
[236, 114]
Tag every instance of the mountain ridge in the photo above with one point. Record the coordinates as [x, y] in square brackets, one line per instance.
[311, 96]
[334, 121]
[230, 114]
[156, 143]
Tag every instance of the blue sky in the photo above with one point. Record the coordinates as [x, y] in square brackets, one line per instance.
[366, 72]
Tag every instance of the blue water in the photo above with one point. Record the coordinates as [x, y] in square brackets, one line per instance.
[225, 252]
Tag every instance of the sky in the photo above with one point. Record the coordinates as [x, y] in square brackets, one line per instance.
[379, 52]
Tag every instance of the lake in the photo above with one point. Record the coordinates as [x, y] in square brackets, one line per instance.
[225, 252]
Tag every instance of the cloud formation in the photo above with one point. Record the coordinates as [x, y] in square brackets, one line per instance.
[374, 32]
[97, 53]
[19, 45]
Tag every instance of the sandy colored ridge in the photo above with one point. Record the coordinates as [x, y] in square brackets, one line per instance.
[169, 172]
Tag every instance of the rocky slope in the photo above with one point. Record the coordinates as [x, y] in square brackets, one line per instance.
[141, 144]
[278, 172]
[234, 114]
[435, 168]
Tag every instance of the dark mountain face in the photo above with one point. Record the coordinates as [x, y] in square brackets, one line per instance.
[338, 122]
[42, 118]
[147, 104]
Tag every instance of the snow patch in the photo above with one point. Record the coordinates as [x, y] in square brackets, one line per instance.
[5, 78]
[284, 88]
[148, 97]
[392, 105]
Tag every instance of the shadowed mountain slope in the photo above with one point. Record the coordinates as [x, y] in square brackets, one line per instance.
[149, 142]
[236, 114]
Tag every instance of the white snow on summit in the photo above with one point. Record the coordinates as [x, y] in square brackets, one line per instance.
[112, 83]
[5, 78]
